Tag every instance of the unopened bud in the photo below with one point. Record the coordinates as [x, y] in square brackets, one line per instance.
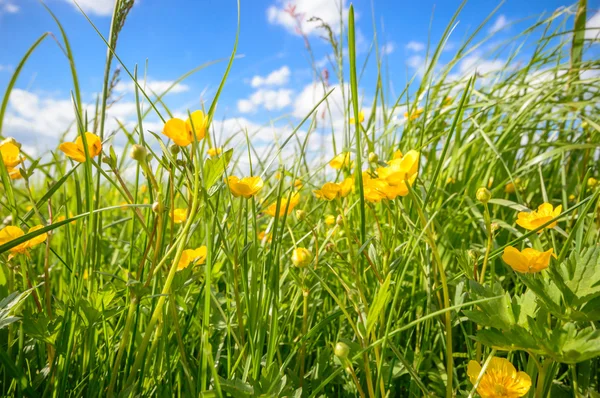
[339, 220]
[373, 158]
[341, 350]
[138, 153]
[174, 149]
[157, 207]
[483, 195]
[300, 215]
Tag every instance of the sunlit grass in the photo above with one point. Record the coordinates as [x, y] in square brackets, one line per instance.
[197, 262]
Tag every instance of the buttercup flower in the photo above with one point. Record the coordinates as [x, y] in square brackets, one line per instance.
[592, 182]
[181, 131]
[414, 114]
[301, 257]
[447, 101]
[329, 220]
[179, 215]
[10, 154]
[76, 151]
[500, 380]
[341, 160]
[361, 118]
[214, 151]
[246, 187]
[399, 171]
[510, 188]
[332, 190]
[527, 261]
[14, 174]
[293, 202]
[11, 232]
[535, 219]
[263, 234]
[298, 184]
[198, 255]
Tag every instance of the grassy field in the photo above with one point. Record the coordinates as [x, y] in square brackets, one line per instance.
[449, 251]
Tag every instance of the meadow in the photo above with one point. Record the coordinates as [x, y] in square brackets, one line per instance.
[448, 248]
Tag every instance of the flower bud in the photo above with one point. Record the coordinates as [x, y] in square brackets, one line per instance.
[373, 158]
[592, 182]
[329, 220]
[174, 149]
[301, 257]
[341, 350]
[138, 153]
[158, 207]
[483, 195]
[339, 220]
[494, 226]
[572, 198]
[300, 215]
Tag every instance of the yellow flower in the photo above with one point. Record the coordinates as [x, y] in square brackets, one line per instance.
[10, 154]
[534, 219]
[197, 122]
[374, 189]
[293, 202]
[500, 380]
[246, 187]
[397, 154]
[11, 232]
[76, 151]
[398, 173]
[510, 188]
[527, 261]
[298, 184]
[181, 132]
[329, 220]
[301, 257]
[263, 234]
[447, 101]
[332, 190]
[14, 174]
[572, 198]
[198, 255]
[179, 215]
[450, 180]
[341, 160]
[361, 118]
[414, 114]
[592, 182]
[214, 151]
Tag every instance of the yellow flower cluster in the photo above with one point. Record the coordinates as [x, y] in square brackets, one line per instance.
[530, 260]
[181, 132]
[394, 179]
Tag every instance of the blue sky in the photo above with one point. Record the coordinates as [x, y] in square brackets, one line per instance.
[267, 80]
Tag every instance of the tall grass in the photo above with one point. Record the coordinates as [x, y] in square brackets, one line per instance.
[398, 296]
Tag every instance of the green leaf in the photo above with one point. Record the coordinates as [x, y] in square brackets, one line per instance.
[214, 168]
[378, 304]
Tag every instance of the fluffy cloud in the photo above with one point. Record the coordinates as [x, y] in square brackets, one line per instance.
[157, 86]
[294, 17]
[388, 48]
[102, 8]
[8, 7]
[278, 77]
[268, 99]
[593, 27]
[479, 64]
[5, 68]
[415, 46]
[500, 23]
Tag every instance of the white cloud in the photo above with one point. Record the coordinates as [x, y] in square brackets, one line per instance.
[278, 77]
[5, 68]
[8, 7]
[294, 17]
[500, 23]
[477, 63]
[417, 62]
[592, 27]
[157, 86]
[102, 8]
[388, 48]
[268, 99]
[415, 46]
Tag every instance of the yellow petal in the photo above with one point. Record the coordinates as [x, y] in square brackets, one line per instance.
[515, 259]
[197, 122]
[176, 129]
[72, 150]
[473, 370]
